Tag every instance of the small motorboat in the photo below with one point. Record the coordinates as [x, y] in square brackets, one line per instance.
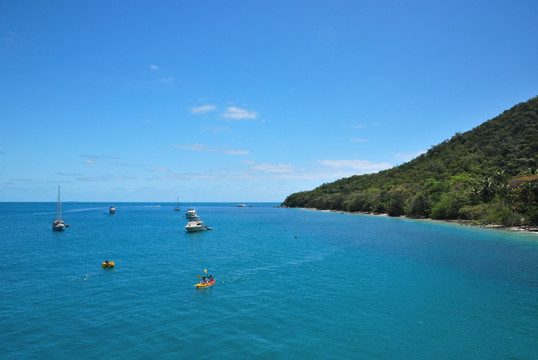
[195, 225]
[191, 212]
[112, 209]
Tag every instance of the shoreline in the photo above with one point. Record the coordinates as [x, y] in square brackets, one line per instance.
[522, 229]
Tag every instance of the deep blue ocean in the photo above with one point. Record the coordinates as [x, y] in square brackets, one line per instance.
[290, 284]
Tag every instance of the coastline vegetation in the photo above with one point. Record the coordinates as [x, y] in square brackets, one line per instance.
[488, 175]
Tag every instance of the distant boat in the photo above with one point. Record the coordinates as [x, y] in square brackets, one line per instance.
[177, 208]
[191, 212]
[112, 209]
[195, 224]
[241, 205]
[58, 224]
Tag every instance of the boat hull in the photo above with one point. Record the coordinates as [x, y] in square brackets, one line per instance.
[196, 228]
[205, 285]
[58, 227]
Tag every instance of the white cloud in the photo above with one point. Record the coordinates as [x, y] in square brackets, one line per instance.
[407, 157]
[358, 140]
[361, 166]
[154, 67]
[89, 161]
[162, 170]
[236, 113]
[274, 168]
[237, 152]
[195, 147]
[203, 109]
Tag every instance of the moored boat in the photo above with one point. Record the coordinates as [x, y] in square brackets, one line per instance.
[177, 208]
[195, 224]
[112, 209]
[59, 224]
[191, 212]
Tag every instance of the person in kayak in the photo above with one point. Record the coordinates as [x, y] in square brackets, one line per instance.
[204, 281]
[210, 278]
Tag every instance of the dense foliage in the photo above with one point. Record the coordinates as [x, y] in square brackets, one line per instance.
[486, 175]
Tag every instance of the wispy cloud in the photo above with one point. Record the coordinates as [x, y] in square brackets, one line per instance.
[236, 113]
[68, 174]
[201, 147]
[196, 147]
[361, 166]
[358, 140]
[203, 109]
[162, 170]
[92, 179]
[92, 159]
[154, 67]
[237, 152]
[10, 38]
[167, 80]
[125, 177]
[274, 168]
[408, 156]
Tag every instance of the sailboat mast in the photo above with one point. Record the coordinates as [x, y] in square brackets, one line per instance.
[59, 205]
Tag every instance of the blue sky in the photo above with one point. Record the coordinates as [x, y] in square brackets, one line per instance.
[244, 101]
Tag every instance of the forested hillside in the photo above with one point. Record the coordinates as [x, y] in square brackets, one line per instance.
[487, 175]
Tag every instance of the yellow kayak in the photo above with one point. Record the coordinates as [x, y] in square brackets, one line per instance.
[107, 265]
[206, 284]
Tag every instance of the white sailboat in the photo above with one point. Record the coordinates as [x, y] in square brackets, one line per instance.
[177, 205]
[58, 224]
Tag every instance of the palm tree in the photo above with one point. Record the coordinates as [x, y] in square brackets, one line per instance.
[486, 189]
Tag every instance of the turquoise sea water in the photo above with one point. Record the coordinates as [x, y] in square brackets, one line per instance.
[291, 284]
